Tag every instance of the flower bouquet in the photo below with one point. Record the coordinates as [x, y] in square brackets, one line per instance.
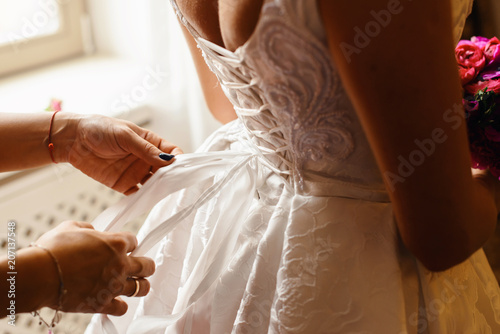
[479, 68]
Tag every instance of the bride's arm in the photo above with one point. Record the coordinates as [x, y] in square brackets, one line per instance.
[397, 63]
[217, 102]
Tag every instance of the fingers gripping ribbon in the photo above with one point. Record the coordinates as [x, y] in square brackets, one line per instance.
[209, 174]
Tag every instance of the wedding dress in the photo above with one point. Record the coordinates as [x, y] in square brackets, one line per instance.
[280, 223]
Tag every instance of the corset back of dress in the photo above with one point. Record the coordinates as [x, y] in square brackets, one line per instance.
[242, 252]
[287, 92]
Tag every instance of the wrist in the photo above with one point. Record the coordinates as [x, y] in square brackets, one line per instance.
[63, 134]
[39, 285]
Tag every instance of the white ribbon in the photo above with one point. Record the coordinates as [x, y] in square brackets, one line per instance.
[187, 171]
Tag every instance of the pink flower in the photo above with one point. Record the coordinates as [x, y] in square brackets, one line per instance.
[55, 105]
[490, 74]
[473, 88]
[480, 41]
[469, 57]
[492, 52]
[471, 107]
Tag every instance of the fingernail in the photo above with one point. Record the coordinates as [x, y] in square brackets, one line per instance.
[166, 157]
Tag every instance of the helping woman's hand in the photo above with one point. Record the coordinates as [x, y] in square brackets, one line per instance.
[95, 268]
[117, 153]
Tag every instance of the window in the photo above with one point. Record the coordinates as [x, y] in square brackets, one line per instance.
[35, 32]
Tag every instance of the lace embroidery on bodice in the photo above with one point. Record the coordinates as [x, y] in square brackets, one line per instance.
[288, 94]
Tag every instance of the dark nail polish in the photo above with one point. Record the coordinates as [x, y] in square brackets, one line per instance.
[166, 157]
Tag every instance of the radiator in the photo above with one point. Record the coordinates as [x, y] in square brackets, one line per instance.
[37, 200]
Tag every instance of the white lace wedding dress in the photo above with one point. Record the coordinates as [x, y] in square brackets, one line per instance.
[281, 223]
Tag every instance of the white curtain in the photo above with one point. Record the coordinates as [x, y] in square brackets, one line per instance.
[147, 32]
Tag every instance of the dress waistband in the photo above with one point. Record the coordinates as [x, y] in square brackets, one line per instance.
[328, 187]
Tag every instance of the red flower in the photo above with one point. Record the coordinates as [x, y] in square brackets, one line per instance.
[467, 74]
[470, 58]
[473, 88]
[492, 52]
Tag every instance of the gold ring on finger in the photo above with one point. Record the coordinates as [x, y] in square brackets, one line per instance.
[137, 287]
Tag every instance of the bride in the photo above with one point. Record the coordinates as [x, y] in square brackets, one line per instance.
[340, 200]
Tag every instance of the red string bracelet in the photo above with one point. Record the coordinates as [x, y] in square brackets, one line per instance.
[51, 144]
